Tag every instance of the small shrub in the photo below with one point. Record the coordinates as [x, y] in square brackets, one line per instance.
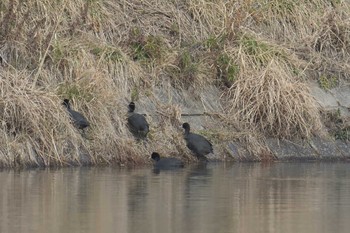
[73, 91]
[283, 7]
[134, 94]
[187, 64]
[185, 69]
[327, 82]
[61, 53]
[174, 29]
[260, 52]
[108, 53]
[226, 70]
[336, 124]
[342, 134]
[153, 47]
[146, 47]
[215, 42]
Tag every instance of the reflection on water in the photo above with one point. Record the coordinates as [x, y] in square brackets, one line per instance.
[279, 197]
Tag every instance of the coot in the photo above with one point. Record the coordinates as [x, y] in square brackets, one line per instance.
[198, 144]
[166, 163]
[137, 123]
[78, 119]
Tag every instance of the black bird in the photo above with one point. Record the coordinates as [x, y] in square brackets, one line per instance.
[166, 163]
[78, 119]
[198, 144]
[137, 123]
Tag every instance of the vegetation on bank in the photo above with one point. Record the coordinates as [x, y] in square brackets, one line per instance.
[102, 54]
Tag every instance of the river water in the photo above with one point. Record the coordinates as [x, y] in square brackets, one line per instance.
[216, 198]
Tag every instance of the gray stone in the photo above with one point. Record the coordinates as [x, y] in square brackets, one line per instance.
[344, 148]
[325, 99]
[287, 150]
[342, 95]
[326, 148]
[239, 153]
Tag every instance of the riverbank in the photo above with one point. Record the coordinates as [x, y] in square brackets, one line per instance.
[249, 76]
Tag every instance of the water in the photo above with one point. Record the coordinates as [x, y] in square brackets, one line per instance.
[277, 197]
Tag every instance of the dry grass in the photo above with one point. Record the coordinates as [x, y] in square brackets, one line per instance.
[102, 54]
[269, 95]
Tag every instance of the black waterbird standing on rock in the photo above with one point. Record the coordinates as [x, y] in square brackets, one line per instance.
[78, 119]
[137, 123]
[166, 163]
[198, 144]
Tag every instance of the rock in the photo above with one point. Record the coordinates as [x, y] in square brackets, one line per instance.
[287, 150]
[325, 148]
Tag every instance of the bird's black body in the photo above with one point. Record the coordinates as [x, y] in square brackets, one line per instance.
[137, 123]
[78, 119]
[166, 163]
[198, 144]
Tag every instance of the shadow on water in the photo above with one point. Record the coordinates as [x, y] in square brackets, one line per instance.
[213, 197]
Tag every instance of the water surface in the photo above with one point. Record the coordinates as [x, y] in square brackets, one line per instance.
[253, 197]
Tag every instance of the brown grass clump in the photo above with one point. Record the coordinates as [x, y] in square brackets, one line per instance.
[268, 95]
[275, 104]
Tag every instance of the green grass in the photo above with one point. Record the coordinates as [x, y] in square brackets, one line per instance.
[74, 91]
[227, 70]
[188, 66]
[107, 53]
[144, 47]
[261, 52]
[327, 83]
[342, 134]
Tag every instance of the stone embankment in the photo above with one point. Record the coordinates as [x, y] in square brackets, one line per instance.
[200, 112]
